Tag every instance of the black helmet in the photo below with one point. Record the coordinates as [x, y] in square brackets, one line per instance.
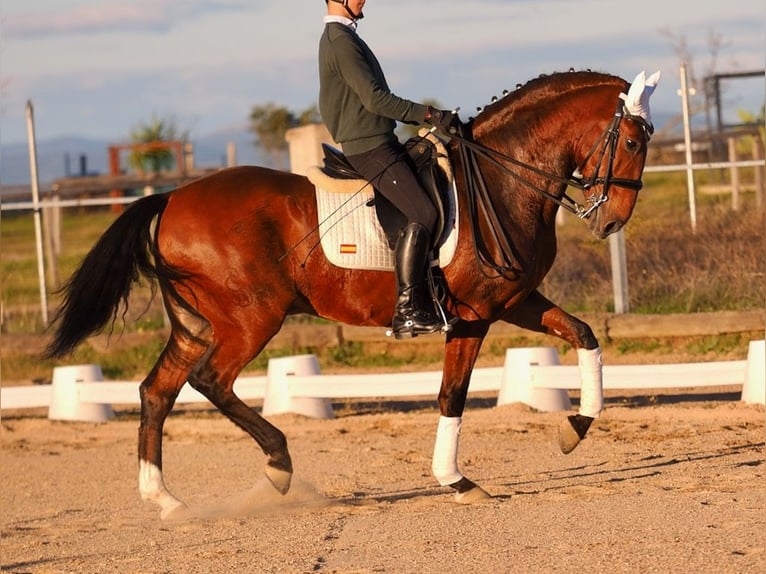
[350, 13]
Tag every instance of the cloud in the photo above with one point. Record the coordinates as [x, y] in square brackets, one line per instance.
[146, 16]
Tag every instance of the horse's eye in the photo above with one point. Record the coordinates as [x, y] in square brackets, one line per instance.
[632, 145]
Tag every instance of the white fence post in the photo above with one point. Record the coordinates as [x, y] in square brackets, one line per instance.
[516, 385]
[278, 398]
[619, 272]
[37, 213]
[685, 92]
[65, 404]
[754, 387]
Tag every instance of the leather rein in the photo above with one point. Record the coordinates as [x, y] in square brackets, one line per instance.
[479, 197]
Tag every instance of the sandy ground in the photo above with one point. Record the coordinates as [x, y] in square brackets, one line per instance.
[662, 484]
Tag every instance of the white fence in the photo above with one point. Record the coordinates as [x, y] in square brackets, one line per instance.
[294, 384]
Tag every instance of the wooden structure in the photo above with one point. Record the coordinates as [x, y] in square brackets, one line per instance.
[117, 183]
[175, 147]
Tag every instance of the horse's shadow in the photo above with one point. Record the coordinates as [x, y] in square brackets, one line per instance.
[647, 467]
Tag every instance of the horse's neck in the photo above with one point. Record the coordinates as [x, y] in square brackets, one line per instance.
[516, 191]
[527, 219]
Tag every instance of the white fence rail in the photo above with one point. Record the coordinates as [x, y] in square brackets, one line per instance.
[294, 384]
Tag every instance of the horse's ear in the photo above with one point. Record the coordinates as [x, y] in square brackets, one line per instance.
[637, 99]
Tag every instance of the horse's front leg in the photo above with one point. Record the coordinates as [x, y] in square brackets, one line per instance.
[461, 349]
[539, 314]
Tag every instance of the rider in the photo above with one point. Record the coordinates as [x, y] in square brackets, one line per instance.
[361, 112]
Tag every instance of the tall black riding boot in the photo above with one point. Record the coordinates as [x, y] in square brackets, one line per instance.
[414, 314]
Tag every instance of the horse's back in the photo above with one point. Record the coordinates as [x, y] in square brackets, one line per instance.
[243, 185]
[235, 215]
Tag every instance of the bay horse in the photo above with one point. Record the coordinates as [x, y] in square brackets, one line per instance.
[234, 253]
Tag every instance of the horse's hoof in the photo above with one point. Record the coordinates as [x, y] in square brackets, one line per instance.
[472, 496]
[572, 431]
[279, 478]
[175, 513]
[568, 437]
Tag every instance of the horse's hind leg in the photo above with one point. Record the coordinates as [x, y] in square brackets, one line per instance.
[158, 394]
[218, 388]
[215, 378]
[539, 314]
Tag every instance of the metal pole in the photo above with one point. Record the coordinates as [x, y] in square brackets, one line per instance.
[734, 173]
[684, 93]
[231, 154]
[36, 212]
[619, 272]
[758, 156]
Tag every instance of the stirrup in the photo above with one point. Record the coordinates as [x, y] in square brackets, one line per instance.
[409, 334]
[447, 319]
[406, 330]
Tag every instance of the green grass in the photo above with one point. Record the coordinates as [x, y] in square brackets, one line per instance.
[19, 280]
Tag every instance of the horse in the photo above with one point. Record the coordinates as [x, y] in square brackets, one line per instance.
[235, 252]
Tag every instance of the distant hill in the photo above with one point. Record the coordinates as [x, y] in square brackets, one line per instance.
[61, 157]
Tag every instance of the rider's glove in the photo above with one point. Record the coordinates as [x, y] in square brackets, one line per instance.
[443, 120]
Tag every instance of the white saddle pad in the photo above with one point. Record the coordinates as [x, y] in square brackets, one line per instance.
[350, 233]
[352, 237]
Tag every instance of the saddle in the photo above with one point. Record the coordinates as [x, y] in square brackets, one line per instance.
[433, 170]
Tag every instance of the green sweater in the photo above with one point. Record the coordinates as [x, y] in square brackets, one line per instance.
[354, 99]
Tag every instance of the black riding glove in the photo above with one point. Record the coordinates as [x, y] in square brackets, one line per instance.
[443, 120]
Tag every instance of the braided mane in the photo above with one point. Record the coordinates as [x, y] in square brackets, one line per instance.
[546, 85]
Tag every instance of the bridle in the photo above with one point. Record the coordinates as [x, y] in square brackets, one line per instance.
[479, 198]
[609, 137]
[607, 142]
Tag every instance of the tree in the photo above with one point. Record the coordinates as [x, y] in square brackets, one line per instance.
[745, 145]
[680, 45]
[156, 131]
[270, 122]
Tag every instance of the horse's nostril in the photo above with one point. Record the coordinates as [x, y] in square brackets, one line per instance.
[612, 227]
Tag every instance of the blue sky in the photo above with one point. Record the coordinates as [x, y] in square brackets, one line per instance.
[97, 68]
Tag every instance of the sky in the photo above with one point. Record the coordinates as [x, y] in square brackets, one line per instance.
[99, 68]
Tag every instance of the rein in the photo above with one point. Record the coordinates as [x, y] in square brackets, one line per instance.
[480, 200]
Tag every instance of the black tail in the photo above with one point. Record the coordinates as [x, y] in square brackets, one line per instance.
[93, 295]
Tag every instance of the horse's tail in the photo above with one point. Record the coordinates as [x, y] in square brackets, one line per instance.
[94, 294]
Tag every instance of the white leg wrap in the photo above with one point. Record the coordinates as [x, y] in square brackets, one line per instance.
[152, 487]
[591, 379]
[444, 465]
